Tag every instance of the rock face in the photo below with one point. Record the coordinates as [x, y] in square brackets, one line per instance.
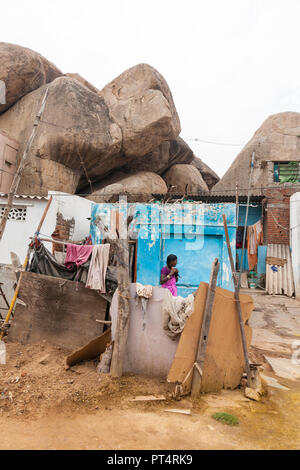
[185, 179]
[83, 81]
[138, 186]
[210, 177]
[276, 140]
[159, 160]
[141, 104]
[23, 71]
[76, 133]
[86, 136]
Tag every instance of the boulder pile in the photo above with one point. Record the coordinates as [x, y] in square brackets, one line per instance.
[121, 139]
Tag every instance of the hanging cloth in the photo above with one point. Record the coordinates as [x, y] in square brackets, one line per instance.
[98, 267]
[255, 238]
[77, 254]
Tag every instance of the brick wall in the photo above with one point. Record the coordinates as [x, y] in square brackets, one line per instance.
[278, 208]
[63, 231]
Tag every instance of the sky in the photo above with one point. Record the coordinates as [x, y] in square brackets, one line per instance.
[229, 64]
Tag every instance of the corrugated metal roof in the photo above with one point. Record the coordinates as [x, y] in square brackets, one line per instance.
[25, 196]
[282, 280]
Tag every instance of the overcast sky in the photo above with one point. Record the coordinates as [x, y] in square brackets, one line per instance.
[229, 64]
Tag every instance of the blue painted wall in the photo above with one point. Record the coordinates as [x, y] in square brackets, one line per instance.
[194, 232]
[245, 259]
[254, 214]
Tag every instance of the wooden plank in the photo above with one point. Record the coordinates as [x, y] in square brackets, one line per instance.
[121, 334]
[197, 373]
[61, 312]
[224, 361]
[185, 356]
[91, 350]
[276, 261]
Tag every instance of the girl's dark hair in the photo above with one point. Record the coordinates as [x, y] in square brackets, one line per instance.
[171, 258]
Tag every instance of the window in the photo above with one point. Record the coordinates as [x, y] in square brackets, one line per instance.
[16, 213]
[286, 172]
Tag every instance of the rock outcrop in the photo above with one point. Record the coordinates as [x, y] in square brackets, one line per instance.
[91, 134]
[159, 160]
[210, 177]
[137, 187]
[23, 70]
[75, 132]
[186, 179]
[276, 140]
[83, 81]
[122, 138]
[140, 102]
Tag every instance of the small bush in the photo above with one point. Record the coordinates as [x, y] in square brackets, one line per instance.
[226, 418]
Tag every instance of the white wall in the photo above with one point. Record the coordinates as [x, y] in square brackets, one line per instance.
[71, 206]
[17, 232]
[295, 238]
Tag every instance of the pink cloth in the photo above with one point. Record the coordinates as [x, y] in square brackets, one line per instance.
[77, 254]
[171, 283]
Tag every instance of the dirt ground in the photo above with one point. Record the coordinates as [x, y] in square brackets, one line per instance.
[44, 406]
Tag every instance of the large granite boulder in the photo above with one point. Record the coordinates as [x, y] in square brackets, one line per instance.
[84, 136]
[182, 179]
[83, 81]
[159, 160]
[23, 70]
[137, 187]
[140, 102]
[210, 177]
[75, 136]
[276, 140]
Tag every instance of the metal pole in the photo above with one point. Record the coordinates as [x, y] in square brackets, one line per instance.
[15, 183]
[246, 218]
[238, 303]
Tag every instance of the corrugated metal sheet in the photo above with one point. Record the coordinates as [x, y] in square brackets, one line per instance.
[25, 196]
[282, 281]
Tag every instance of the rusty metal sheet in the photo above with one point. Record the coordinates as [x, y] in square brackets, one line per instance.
[279, 280]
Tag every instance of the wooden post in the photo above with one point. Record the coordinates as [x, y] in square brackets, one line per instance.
[238, 303]
[121, 246]
[116, 368]
[22, 164]
[196, 383]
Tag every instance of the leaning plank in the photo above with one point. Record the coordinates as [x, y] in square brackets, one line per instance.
[224, 363]
[61, 312]
[182, 366]
[91, 350]
[197, 373]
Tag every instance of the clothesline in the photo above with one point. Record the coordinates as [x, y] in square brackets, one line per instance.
[51, 240]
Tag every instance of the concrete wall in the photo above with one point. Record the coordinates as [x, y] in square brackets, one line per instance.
[149, 350]
[295, 239]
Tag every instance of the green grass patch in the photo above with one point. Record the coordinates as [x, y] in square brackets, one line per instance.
[226, 418]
